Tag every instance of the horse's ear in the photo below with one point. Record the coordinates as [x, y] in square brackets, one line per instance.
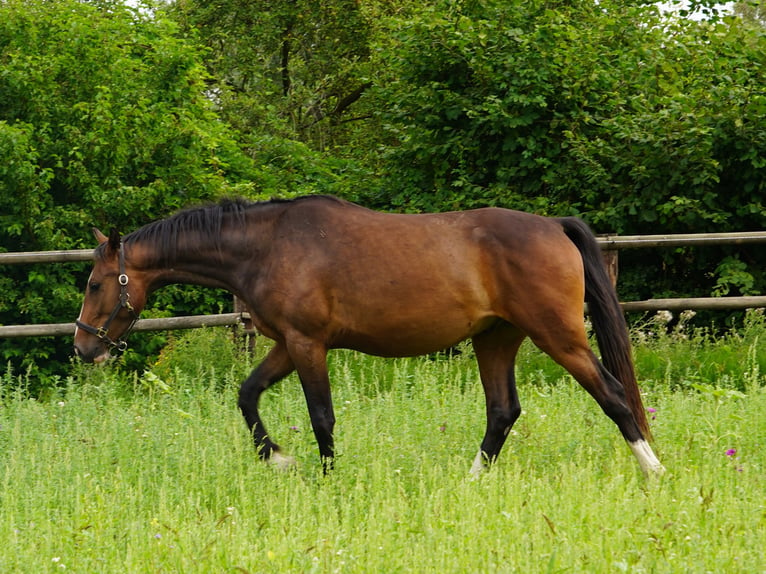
[100, 237]
[114, 240]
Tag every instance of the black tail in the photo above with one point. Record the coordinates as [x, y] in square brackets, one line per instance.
[607, 317]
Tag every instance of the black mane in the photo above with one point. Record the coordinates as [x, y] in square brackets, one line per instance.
[205, 221]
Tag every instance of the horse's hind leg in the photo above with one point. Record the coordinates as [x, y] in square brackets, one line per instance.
[496, 351]
[276, 366]
[569, 347]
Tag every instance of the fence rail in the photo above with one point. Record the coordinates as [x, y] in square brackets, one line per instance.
[157, 324]
[691, 239]
[608, 243]
[65, 256]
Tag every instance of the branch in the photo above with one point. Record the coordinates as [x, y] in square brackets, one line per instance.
[345, 102]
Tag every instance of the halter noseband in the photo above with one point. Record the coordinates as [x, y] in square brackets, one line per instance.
[124, 303]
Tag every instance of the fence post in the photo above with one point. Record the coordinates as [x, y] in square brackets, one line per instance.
[611, 259]
[245, 330]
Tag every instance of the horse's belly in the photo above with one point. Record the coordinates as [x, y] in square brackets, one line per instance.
[409, 338]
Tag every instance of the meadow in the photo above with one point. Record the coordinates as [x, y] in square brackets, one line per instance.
[155, 472]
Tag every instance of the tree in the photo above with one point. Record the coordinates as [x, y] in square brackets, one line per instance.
[640, 123]
[751, 11]
[103, 121]
[294, 68]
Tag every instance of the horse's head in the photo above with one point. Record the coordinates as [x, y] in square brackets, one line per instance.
[114, 297]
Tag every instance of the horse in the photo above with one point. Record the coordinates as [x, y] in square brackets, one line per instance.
[319, 273]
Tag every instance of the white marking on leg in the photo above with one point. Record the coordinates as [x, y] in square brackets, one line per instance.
[646, 458]
[479, 465]
[281, 461]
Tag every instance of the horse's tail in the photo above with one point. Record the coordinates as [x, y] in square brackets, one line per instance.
[607, 317]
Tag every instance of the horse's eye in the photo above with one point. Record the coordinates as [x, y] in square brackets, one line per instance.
[94, 287]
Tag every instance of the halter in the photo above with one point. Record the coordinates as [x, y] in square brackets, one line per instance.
[121, 344]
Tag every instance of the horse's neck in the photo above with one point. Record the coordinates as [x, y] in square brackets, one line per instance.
[201, 264]
[220, 262]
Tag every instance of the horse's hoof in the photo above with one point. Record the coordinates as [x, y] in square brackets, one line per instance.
[282, 462]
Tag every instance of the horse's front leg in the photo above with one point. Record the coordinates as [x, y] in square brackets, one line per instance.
[276, 366]
[310, 360]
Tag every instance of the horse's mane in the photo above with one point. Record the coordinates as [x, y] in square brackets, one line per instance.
[205, 221]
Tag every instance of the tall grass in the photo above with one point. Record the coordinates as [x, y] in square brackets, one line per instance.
[156, 472]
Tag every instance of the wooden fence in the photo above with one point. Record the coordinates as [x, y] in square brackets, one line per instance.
[610, 244]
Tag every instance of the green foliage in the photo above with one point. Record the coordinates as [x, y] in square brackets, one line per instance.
[670, 353]
[111, 104]
[103, 121]
[294, 69]
[639, 122]
[751, 11]
[610, 111]
[732, 272]
[202, 353]
[294, 79]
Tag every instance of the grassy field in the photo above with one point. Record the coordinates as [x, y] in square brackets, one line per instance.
[155, 473]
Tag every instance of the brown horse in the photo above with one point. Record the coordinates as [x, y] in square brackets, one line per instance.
[319, 273]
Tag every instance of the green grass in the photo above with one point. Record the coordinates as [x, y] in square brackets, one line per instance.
[157, 474]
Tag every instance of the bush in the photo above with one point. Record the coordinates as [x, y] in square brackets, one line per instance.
[104, 121]
[638, 122]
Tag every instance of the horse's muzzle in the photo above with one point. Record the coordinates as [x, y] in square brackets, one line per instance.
[96, 355]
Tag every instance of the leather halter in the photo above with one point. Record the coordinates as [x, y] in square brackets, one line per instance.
[121, 343]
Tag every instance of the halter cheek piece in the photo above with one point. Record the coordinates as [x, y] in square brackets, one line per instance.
[124, 303]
